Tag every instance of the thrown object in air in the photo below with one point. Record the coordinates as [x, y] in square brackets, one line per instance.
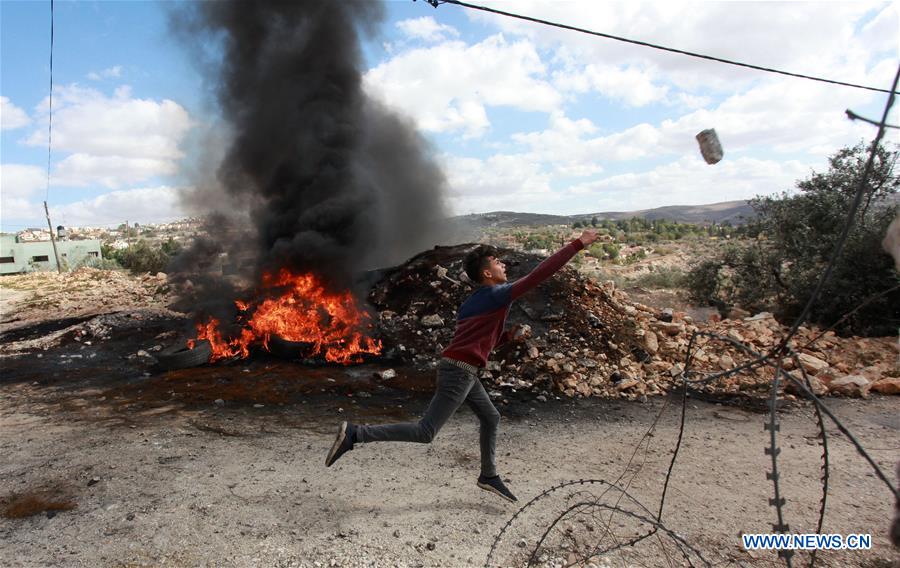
[891, 245]
[710, 146]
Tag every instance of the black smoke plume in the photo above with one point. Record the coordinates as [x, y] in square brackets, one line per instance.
[327, 179]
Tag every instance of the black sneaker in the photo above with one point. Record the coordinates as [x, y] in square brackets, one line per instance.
[495, 485]
[343, 443]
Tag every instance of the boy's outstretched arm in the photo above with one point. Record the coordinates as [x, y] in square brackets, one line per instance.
[552, 263]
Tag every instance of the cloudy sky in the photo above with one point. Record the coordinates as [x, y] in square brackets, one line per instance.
[521, 116]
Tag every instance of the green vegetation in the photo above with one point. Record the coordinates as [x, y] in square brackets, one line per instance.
[547, 239]
[661, 278]
[637, 231]
[604, 251]
[142, 256]
[128, 232]
[796, 236]
[105, 263]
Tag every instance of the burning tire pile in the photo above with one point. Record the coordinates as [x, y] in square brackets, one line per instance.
[590, 339]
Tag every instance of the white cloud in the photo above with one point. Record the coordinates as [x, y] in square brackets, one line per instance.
[446, 88]
[688, 181]
[567, 146]
[144, 205]
[803, 37]
[20, 185]
[511, 182]
[692, 102]
[780, 116]
[12, 116]
[517, 183]
[880, 33]
[108, 73]
[17, 208]
[426, 28]
[86, 169]
[19, 180]
[633, 86]
[114, 141]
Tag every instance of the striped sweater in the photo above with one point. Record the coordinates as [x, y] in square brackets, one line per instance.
[482, 317]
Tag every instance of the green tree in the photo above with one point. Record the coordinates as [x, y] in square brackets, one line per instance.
[106, 251]
[611, 250]
[143, 257]
[801, 231]
[171, 247]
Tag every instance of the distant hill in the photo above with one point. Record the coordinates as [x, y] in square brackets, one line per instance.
[735, 212]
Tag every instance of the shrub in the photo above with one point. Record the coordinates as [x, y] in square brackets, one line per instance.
[105, 263]
[661, 278]
[604, 251]
[800, 232]
[611, 250]
[143, 257]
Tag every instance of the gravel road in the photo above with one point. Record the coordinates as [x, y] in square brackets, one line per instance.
[243, 483]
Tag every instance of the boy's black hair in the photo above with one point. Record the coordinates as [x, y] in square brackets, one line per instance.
[477, 260]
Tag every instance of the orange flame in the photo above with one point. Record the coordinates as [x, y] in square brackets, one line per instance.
[305, 312]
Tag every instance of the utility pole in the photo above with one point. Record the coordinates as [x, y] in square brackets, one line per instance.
[52, 239]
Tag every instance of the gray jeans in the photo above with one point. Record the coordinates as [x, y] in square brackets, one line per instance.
[453, 387]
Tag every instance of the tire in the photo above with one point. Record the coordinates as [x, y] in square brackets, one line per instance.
[180, 357]
[285, 349]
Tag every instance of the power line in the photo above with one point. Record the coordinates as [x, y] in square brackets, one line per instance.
[50, 114]
[436, 3]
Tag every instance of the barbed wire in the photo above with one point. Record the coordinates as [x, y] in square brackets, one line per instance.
[692, 381]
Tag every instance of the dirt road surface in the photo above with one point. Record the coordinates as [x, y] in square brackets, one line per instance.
[107, 461]
[241, 482]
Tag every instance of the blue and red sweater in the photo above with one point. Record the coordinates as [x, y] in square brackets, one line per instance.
[482, 317]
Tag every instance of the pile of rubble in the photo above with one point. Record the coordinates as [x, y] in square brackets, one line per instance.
[589, 339]
[834, 365]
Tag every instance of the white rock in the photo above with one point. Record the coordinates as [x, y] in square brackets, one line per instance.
[760, 316]
[850, 385]
[812, 365]
[651, 343]
[726, 362]
[523, 331]
[432, 320]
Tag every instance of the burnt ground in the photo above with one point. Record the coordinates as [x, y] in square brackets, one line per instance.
[109, 461]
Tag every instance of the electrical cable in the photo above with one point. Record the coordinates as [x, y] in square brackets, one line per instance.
[50, 112]
[436, 3]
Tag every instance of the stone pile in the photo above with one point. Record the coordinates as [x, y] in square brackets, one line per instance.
[849, 366]
[590, 339]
